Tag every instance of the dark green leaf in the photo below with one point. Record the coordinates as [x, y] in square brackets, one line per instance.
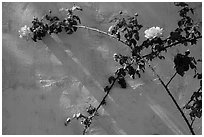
[199, 76]
[106, 89]
[136, 35]
[111, 79]
[122, 82]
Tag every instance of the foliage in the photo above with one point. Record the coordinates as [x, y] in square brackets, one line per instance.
[53, 24]
[126, 30]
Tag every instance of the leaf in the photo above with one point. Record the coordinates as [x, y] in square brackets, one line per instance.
[131, 71]
[185, 44]
[199, 114]
[139, 26]
[146, 43]
[138, 73]
[90, 109]
[106, 89]
[199, 76]
[130, 25]
[132, 41]
[182, 4]
[187, 106]
[193, 41]
[192, 66]
[111, 79]
[55, 18]
[122, 82]
[68, 120]
[121, 72]
[103, 102]
[77, 18]
[136, 35]
[75, 29]
[192, 11]
[118, 35]
[187, 52]
[180, 23]
[76, 8]
[181, 63]
[199, 60]
[161, 57]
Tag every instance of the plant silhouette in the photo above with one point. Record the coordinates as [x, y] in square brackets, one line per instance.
[126, 31]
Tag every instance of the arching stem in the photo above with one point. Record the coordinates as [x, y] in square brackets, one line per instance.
[174, 100]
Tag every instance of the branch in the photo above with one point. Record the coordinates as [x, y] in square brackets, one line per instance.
[174, 100]
[174, 44]
[165, 86]
[122, 41]
[101, 103]
[102, 32]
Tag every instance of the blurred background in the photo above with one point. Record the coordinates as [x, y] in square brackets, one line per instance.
[38, 92]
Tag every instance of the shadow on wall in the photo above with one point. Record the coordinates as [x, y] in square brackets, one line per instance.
[28, 109]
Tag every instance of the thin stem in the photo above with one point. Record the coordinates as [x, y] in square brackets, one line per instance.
[173, 99]
[192, 121]
[102, 32]
[122, 41]
[171, 79]
[101, 103]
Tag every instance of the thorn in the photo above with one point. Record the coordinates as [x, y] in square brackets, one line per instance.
[136, 14]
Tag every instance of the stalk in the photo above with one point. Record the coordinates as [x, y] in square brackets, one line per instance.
[165, 85]
[171, 79]
[174, 100]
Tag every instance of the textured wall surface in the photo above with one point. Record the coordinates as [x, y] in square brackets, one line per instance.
[40, 90]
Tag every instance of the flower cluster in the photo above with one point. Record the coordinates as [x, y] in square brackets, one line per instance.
[153, 32]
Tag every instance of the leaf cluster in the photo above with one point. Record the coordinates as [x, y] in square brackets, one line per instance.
[195, 105]
[182, 63]
[54, 25]
[85, 120]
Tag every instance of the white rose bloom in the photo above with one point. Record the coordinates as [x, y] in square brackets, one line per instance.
[153, 32]
[25, 32]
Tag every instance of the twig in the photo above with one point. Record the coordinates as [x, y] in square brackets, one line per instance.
[192, 121]
[106, 94]
[171, 79]
[180, 110]
[102, 32]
